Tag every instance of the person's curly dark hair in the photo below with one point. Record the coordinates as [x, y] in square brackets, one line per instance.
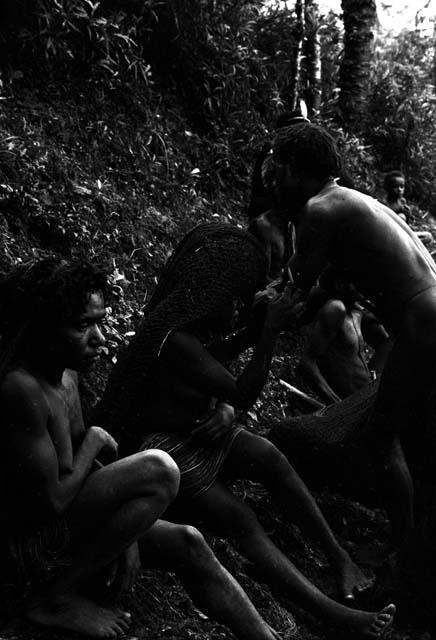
[390, 177]
[310, 148]
[42, 295]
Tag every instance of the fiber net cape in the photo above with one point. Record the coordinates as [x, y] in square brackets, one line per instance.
[214, 264]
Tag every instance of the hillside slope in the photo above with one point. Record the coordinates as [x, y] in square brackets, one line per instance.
[114, 176]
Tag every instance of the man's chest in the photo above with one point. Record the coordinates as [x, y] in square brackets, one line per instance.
[64, 427]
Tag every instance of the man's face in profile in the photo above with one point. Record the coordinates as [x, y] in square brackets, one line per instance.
[81, 338]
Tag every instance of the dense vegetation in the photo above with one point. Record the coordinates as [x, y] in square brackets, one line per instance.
[123, 123]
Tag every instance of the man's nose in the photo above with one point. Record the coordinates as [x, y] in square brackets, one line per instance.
[97, 336]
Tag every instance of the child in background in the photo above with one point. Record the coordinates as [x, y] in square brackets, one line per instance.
[395, 184]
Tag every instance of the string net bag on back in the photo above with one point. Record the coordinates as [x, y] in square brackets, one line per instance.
[214, 264]
[335, 445]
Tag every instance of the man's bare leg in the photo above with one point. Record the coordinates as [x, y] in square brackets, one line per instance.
[257, 459]
[115, 507]
[231, 517]
[397, 487]
[213, 589]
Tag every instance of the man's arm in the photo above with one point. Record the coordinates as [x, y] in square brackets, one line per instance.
[26, 414]
[227, 349]
[376, 336]
[313, 245]
[322, 333]
[185, 355]
[261, 230]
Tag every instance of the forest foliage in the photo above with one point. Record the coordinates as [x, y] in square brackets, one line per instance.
[125, 122]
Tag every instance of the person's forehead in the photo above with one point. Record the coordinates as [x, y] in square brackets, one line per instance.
[398, 180]
[95, 305]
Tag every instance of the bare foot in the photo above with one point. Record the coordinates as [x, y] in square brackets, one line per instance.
[80, 615]
[352, 580]
[370, 626]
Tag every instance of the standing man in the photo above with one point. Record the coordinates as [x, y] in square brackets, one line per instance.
[385, 261]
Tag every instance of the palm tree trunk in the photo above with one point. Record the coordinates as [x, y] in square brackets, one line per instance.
[359, 19]
[297, 86]
[312, 58]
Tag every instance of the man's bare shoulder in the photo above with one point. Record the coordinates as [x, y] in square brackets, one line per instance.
[345, 204]
[330, 198]
[323, 205]
[20, 391]
[332, 313]
[261, 226]
[20, 381]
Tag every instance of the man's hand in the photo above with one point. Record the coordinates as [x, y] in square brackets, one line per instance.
[124, 571]
[104, 443]
[215, 424]
[286, 310]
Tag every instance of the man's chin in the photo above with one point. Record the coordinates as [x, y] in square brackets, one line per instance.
[86, 364]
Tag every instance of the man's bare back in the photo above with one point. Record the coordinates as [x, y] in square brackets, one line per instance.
[365, 239]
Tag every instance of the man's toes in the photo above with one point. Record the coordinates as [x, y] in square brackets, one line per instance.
[378, 624]
[123, 618]
[123, 624]
[120, 624]
[117, 628]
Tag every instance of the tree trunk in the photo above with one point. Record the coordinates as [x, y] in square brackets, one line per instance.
[434, 58]
[297, 86]
[312, 58]
[359, 19]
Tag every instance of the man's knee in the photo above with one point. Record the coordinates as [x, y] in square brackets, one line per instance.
[190, 546]
[161, 473]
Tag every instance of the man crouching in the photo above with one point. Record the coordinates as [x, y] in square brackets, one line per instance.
[50, 316]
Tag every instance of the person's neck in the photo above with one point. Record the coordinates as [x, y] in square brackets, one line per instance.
[320, 186]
